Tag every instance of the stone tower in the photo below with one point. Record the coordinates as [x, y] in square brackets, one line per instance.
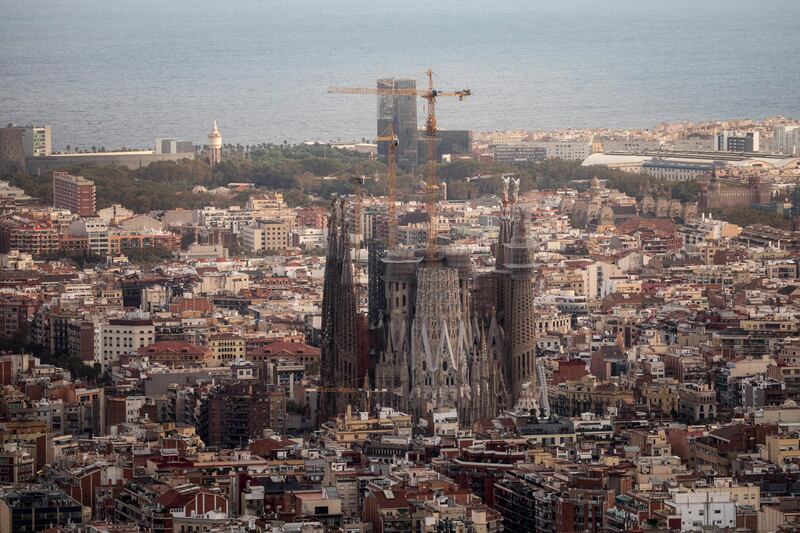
[214, 146]
[519, 322]
[393, 369]
[340, 344]
[504, 237]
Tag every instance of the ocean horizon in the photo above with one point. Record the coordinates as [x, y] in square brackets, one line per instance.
[121, 73]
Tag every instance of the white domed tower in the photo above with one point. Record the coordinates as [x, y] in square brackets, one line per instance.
[214, 146]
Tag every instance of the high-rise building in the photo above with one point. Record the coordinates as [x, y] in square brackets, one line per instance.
[12, 151]
[401, 113]
[786, 139]
[75, 193]
[121, 337]
[214, 146]
[37, 141]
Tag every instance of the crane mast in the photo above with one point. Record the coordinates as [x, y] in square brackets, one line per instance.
[431, 187]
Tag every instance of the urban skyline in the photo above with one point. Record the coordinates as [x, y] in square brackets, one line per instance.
[478, 316]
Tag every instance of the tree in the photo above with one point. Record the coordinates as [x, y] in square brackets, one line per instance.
[148, 256]
[685, 191]
[187, 239]
[745, 216]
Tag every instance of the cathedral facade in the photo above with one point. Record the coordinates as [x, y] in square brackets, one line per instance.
[434, 350]
[438, 354]
[441, 352]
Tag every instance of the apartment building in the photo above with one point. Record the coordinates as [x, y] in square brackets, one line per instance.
[75, 193]
[121, 337]
[266, 235]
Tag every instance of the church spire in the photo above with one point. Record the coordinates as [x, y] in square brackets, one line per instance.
[340, 345]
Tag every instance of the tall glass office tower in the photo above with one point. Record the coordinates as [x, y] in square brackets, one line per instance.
[401, 112]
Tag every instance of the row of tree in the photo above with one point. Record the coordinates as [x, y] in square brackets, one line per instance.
[300, 171]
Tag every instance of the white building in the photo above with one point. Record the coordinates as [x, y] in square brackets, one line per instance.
[197, 252]
[597, 279]
[173, 146]
[36, 141]
[227, 282]
[570, 150]
[537, 150]
[707, 230]
[133, 405]
[122, 337]
[16, 260]
[308, 238]
[704, 508]
[233, 218]
[692, 144]
[445, 422]
[676, 170]
[95, 230]
[10, 192]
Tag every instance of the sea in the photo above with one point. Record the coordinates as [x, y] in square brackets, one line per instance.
[119, 73]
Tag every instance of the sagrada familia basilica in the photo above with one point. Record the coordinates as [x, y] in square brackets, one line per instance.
[435, 352]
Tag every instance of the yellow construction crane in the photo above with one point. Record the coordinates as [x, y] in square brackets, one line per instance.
[391, 185]
[430, 95]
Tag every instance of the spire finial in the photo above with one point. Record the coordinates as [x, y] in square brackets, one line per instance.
[522, 224]
[506, 181]
[514, 190]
